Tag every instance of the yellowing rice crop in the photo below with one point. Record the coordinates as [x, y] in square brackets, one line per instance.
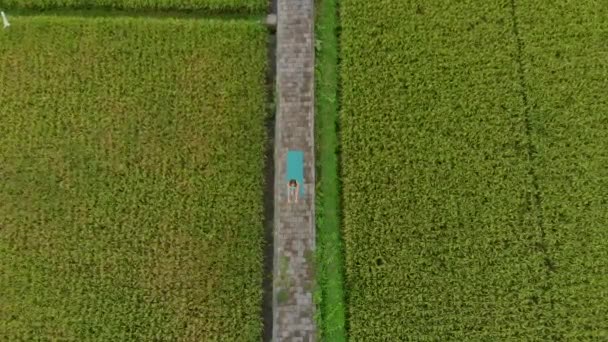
[474, 153]
[131, 179]
[217, 6]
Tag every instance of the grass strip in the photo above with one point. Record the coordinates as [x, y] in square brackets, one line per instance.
[330, 272]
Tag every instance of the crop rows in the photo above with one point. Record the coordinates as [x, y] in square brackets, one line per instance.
[131, 167]
[440, 233]
[565, 53]
[474, 141]
[217, 6]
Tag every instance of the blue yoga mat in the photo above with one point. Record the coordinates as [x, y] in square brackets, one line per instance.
[295, 168]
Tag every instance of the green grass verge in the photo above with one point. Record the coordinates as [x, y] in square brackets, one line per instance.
[132, 179]
[329, 244]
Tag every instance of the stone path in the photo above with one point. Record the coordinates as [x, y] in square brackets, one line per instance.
[294, 236]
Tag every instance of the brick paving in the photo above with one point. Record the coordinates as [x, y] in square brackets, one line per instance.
[294, 236]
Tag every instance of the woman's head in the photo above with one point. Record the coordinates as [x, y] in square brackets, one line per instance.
[293, 182]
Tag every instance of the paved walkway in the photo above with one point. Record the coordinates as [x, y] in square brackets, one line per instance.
[294, 236]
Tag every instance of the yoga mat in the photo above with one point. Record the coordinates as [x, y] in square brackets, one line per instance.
[295, 169]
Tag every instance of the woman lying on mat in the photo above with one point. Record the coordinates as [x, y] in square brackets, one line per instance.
[293, 188]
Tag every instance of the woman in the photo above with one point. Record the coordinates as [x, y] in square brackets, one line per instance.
[293, 188]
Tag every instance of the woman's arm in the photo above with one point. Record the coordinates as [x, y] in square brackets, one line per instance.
[297, 191]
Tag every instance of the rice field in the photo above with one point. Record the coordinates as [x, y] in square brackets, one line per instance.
[473, 145]
[131, 165]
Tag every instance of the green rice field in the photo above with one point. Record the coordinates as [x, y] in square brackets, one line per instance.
[131, 165]
[462, 152]
[473, 152]
[216, 6]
